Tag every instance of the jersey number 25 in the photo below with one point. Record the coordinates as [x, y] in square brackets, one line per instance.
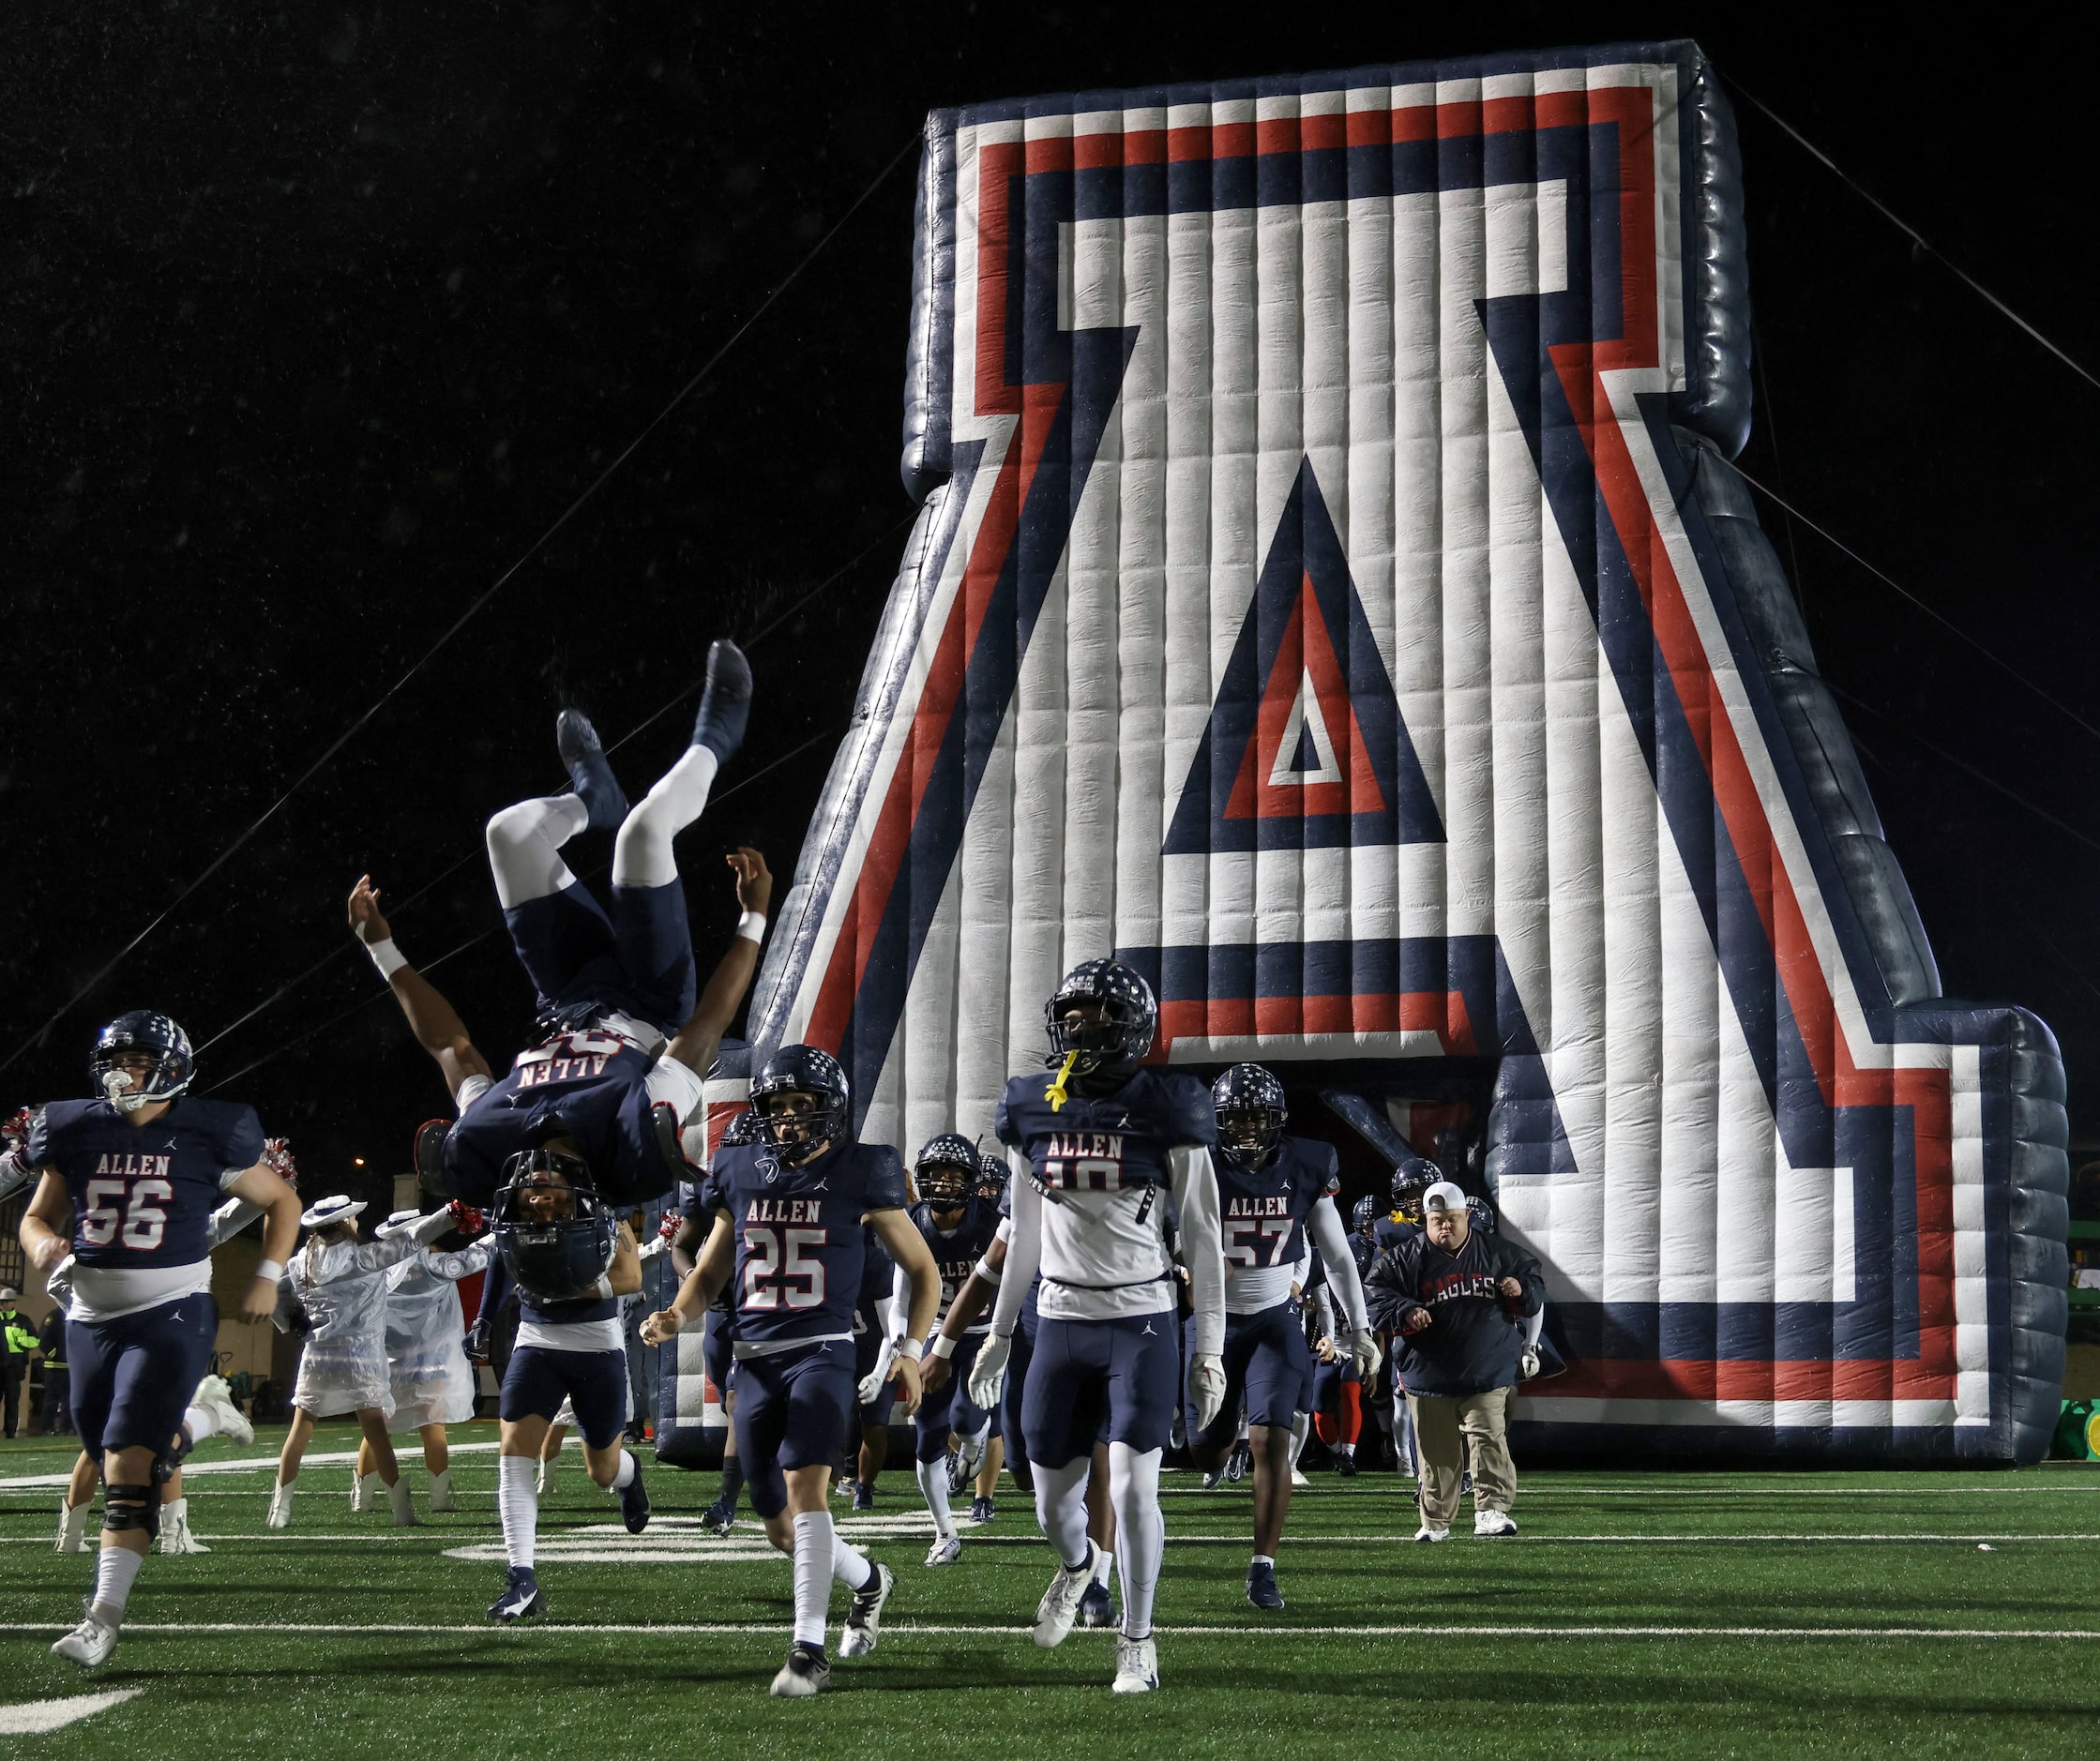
[777, 1275]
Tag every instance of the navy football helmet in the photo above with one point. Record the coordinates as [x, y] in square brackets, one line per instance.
[947, 1171]
[744, 1128]
[993, 1173]
[555, 1234]
[1480, 1215]
[1251, 1115]
[135, 1032]
[1411, 1180]
[1364, 1215]
[1127, 1022]
[796, 1134]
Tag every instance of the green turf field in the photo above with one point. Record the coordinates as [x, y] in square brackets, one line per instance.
[1637, 1614]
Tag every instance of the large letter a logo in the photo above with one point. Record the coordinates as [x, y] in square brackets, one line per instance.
[1306, 748]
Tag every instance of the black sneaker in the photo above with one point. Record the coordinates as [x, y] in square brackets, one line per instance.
[520, 1598]
[864, 1495]
[982, 1510]
[634, 1502]
[1345, 1466]
[1239, 1463]
[1262, 1586]
[1097, 1606]
[590, 772]
[805, 1672]
[864, 1619]
[717, 1520]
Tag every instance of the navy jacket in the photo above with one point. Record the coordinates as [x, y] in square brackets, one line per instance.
[1474, 1341]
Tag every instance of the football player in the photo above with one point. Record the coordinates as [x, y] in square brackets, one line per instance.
[620, 1070]
[867, 1445]
[957, 1226]
[128, 1180]
[1274, 1192]
[1107, 1146]
[572, 1258]
[789, 1215]
[696, 1219]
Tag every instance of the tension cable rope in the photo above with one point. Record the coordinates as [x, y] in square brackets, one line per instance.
[1908, 231]
[459, 622]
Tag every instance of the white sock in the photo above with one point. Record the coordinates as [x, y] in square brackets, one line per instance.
[1102, 1561]
[200, 1423]
[1141, 1531]
[815, 1542]
[849, 1565]
[1299, 1426]
[517, 1506]
[1061, 1508]
[114, 1569]
[1240, 1436]
[625, 1476]
[1268, 1559]
[525, 843]
[1349, 1450]
[933, 1487]
[641, 851]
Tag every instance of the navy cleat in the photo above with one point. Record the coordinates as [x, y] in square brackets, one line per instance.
[520, 1598]
[864, 1495]
[1240, 1463]
[1097, 1607]
[725, 707]
[1262, 1586]
[718, 1519]
[590, 772]
[1345, 1466]
[981, 1510]
[864, 1619]
[805, 1672]
[634, 1502]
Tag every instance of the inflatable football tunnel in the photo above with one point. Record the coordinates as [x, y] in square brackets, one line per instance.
[1331, 595]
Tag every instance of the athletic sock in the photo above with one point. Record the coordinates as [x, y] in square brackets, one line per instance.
[1265, 1558]
[517, 1506]
[1298, 1428]
[115, 1567]
[1350, 1450]
[1351, 1415]
[815, 1540]
[1140, 1532]
[1103, 1560]
[623, 1475]
[933, 1487]
[1060, 1510]
[732, 1484]
[199, 1423]
[642, 853]
[849, 1565]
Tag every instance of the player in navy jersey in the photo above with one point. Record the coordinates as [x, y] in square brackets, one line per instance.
[1273, 1193]
[620, 1070]
[1107, 1147]
[957, 1227]
[127, 1183]
[788, 1219]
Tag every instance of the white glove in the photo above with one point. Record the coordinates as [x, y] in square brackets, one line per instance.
[987, 1376]
[1206, 1388]
[1531, 1365]
[872, 1384]
[1364, 1352]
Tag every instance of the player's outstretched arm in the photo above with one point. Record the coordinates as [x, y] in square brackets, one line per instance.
[696, 1043]
[47, 1225]
[914, 1259]
[431, 1018]
[701, 1287]
[265, 1188]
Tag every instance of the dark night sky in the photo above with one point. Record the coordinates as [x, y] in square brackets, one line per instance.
[311, 321]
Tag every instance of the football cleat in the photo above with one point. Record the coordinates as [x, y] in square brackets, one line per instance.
[864, 1619]
[1212, 1479]
[1345, 1466]
[965, 1462]
[1298, 1476]
[864, 1495]
[1060, 1606]
[946, 1550]
[1428, 1532]
[1262, 1586]
[982, 1510]
[73, 1526]
[176, 1533]
[281, 1506]
[1238, 1462]
[590, 774]
[88, 1645]
[217, 1399]
[1097, 1606]
[725, 706]
[520, 1598]
[1137, 1665]
[634, 1502]
[717, 1519]
[1491, 1525]
[807, 1671]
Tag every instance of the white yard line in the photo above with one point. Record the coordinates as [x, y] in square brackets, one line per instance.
[34, 1717]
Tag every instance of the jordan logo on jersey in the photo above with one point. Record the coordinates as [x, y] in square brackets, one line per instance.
[130, 1166]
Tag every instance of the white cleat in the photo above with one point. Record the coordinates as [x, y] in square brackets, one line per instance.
[217, 1399]
[946, 1550]
[176, 1533]
[1298, 1477]
[73, 1526]
[864, 1619]
[441, 1493]
[1491, 1523]
[1137, 1665]
[364, 1493]
[1060, 1606]
[543, 1483]
[88, 1645]
[281, 1506]
[404, 1506]
[1427, 1533]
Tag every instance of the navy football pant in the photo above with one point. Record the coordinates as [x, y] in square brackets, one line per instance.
[1085, 1373]
[638, 960]
[1267, 1361]
[133, 1376]
[596, 1383]
[792, 1410]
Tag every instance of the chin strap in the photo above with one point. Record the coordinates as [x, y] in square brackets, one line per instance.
[1055, 1095]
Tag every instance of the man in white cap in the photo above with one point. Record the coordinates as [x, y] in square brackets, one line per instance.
[1455, 1299]
[335, 1289]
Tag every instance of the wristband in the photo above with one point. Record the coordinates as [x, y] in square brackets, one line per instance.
[913, 1348]
[751, 927]
[943, 1348]
[269, 1268]
[386, 956]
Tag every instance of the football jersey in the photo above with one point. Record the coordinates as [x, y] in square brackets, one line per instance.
[957, 1251]
[800, 1247]
[1390, 1232]
[1100, 1162]
[1262, 1216]
[589, 1085]
[700, 1209]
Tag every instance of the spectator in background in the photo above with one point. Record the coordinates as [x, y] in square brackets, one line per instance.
[58, 1380]
[19, 1339]
[1455, 1297]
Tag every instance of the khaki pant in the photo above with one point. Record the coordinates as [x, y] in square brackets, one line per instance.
[1453, 1432]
